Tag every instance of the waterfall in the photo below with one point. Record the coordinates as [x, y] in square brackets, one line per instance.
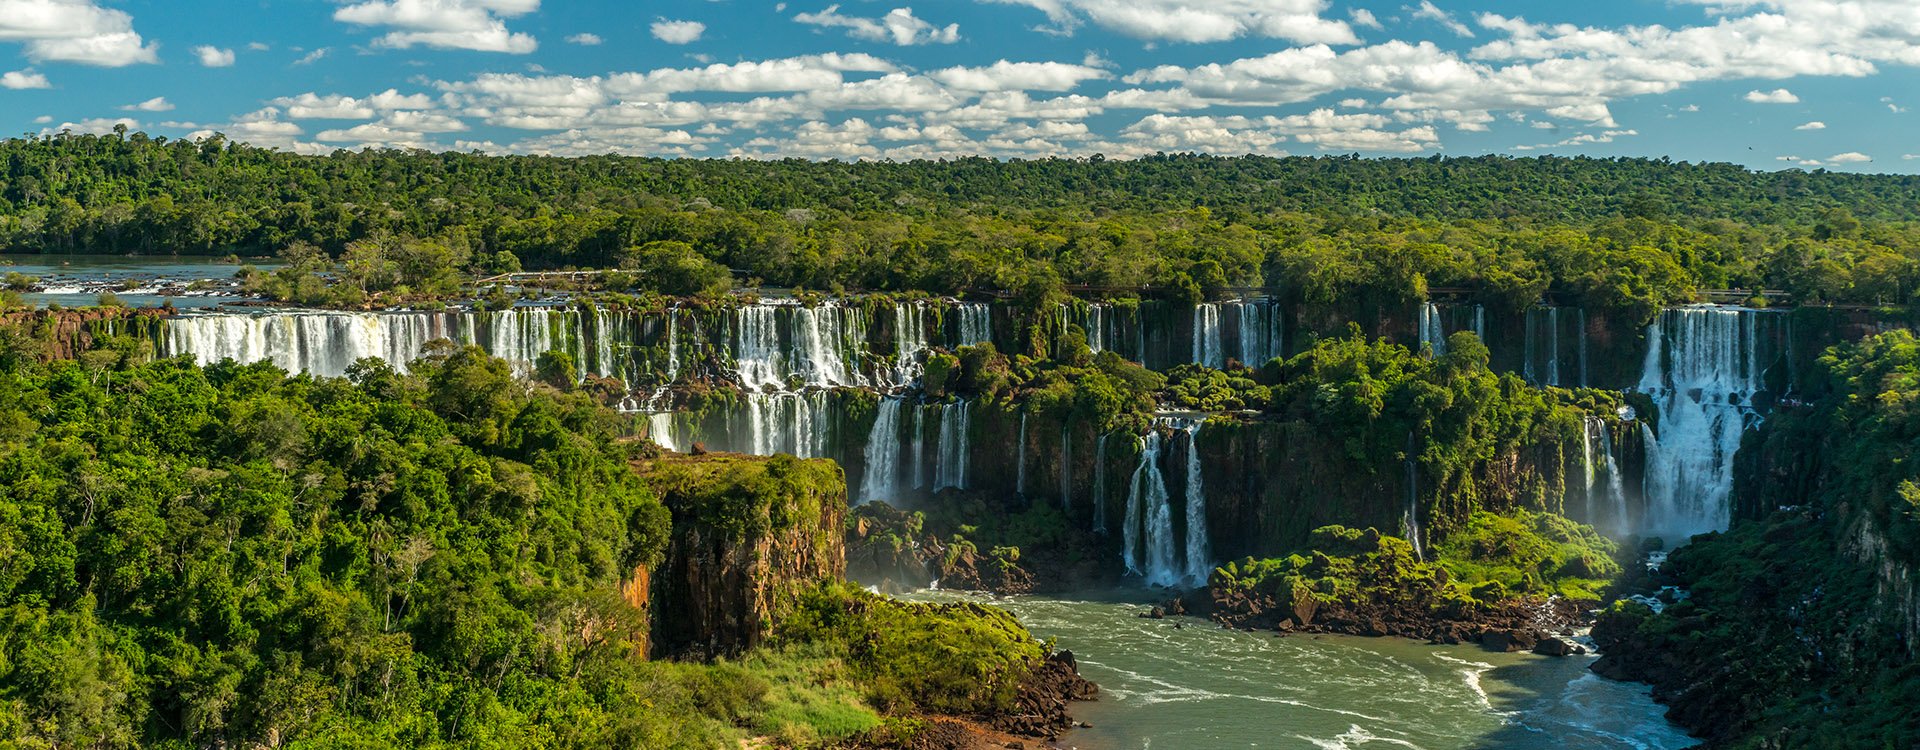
[1410, 515]
[792, 423]
[660, 430]
[910, 343]
[1066, 467]
[1583, 347]
[673, 344]
[1587, 427]
[1207, 347]
[1096, 327]
[920, 447]
[325, 344]
[1199, 551]
[774, 344]
[1480, 323]
[1606, 511]
[1150, 547]
[976, 323]
[1100, 484]
[1259, 333]
[1020, 485]
[1432, 334]
[950, 470]
[1553, 346]
[883, 454]
[1702, 370]
[1149, 543]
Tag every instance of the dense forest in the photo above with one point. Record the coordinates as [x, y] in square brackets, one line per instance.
[1624, 233]
[228, 556]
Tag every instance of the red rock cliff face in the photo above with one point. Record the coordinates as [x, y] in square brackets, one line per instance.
[65, 334]
[749, 534]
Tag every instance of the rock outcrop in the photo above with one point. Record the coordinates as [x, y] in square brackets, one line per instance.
[749, 534]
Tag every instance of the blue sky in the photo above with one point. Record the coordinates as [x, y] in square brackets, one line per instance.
[1772, 84]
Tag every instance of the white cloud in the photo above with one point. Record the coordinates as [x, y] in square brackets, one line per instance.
[156, 104]
[1850, 157]
[258, 46]
[312, 57]
[1017, 76]
[1429, 11]
[1364, 18]
[311, 106]
[74, 31]
[585, 40]
[24, 79]
[678, 32]
[213, 57]
[445, 24]
[1910, 157]
[898, 26]
[1776, 96]
[96, 126]
[1815, 125]
[1197, 20]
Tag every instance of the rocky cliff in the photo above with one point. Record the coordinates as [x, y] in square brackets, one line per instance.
[749, 534]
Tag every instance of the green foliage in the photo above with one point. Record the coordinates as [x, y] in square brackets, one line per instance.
[1490, 560]
[948, 658]
[392, 225]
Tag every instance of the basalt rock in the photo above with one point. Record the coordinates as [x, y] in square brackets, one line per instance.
[749, 534]
[65, 334]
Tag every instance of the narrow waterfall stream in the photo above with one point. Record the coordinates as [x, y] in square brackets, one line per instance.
[953, 448]
[1208, 349]
[1151, 547]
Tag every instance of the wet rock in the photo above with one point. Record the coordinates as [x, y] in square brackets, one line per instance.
[1557, 646]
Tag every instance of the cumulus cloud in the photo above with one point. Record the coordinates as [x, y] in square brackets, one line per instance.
[24, 79]
[156, 104]
[213, 57]
[1776, 96]
[1815, 125]
[78, 31]
[1009, 76]
[1429, 11]
[311, 106]
[678, 32]
[445, 24]
[96, 126]
[585, 40]
[313, 57]
[1197, 20]
[898, 26]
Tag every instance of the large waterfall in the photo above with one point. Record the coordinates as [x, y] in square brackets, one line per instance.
[1704, 365]
[1208, 347]
[881, 481]
[950, 468]
[1150, 545]
[1605, 498]
[974, 324]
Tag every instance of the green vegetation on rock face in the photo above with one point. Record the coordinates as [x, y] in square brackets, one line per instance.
[1800, 623]
[1490, 561]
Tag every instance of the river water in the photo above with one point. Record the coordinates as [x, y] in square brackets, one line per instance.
[1186, 684]
[139, 281]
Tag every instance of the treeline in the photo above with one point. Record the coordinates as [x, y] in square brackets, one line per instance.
[1608, 233]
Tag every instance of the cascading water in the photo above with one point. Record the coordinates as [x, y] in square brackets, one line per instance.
[1605, 501]
[1020, 482]
[1702, 371]
[1432, 335]
[880, 481]
[792, 423]
[950, 470]
[1066, 467]
[1542, 353]
[1096, 327]
[325, 344]
[975, 322]
[1259, 329]
[910, 343]
[1410, 512]
[920, 446]
[1150, 546]
[660, 430]
[1199, 551]
[1208, 349]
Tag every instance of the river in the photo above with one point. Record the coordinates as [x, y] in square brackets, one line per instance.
[139, 281]
[1186, 684]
